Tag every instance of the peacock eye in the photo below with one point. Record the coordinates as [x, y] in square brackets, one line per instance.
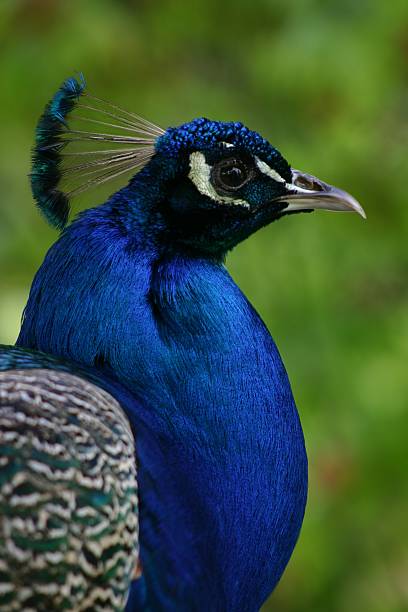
[229, 175]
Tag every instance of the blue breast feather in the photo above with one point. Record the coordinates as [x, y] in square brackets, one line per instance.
[222, 463]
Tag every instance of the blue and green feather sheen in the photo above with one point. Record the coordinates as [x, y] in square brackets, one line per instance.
[46, 170]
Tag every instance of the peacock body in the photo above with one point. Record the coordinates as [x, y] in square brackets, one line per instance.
[139, 322]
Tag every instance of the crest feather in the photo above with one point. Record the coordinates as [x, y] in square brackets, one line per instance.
[63, 163]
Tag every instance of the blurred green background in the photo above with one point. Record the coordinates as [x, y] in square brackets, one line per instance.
[326, 81]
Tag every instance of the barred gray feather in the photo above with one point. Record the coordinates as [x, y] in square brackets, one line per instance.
[68, 495]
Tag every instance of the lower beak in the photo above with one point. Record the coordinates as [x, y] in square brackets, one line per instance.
[306, 192]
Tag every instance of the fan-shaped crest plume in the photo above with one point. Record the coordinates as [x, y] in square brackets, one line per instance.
[65, 165]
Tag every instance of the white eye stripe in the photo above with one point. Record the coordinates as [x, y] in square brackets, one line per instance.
[200, 175]
[265, 169]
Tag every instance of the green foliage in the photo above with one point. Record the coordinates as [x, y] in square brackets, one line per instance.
[325, 82]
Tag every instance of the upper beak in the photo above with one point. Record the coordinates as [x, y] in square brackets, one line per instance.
[306, 192]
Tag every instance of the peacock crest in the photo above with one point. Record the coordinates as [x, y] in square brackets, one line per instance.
[71, 155]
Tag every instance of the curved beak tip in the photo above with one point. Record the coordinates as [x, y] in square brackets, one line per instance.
[360, 210]
[350, 204]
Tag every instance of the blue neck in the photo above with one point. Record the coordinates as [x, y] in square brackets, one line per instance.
[222, 464]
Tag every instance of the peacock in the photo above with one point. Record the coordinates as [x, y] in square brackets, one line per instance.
[151, 453]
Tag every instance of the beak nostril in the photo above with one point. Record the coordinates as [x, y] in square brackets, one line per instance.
[316, 186]
[307, 182]
[300, 181]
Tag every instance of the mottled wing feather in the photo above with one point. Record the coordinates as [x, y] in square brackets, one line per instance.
[68, 495]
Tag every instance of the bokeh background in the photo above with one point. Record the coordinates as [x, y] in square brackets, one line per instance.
[326, 81]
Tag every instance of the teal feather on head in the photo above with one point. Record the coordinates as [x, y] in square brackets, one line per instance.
[57, 174]
[46, 173]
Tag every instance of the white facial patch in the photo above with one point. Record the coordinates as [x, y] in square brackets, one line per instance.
[265, 169]
[200, 175]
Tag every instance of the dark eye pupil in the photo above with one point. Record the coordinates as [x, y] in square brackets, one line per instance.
[232, 176]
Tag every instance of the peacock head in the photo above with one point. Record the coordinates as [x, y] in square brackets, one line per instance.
[225, 181]
[211, 183]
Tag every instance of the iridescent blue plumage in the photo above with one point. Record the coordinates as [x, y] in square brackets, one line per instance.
[177, 332]
[135, 291]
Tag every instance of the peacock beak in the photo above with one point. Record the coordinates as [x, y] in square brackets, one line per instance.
[306, 192]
